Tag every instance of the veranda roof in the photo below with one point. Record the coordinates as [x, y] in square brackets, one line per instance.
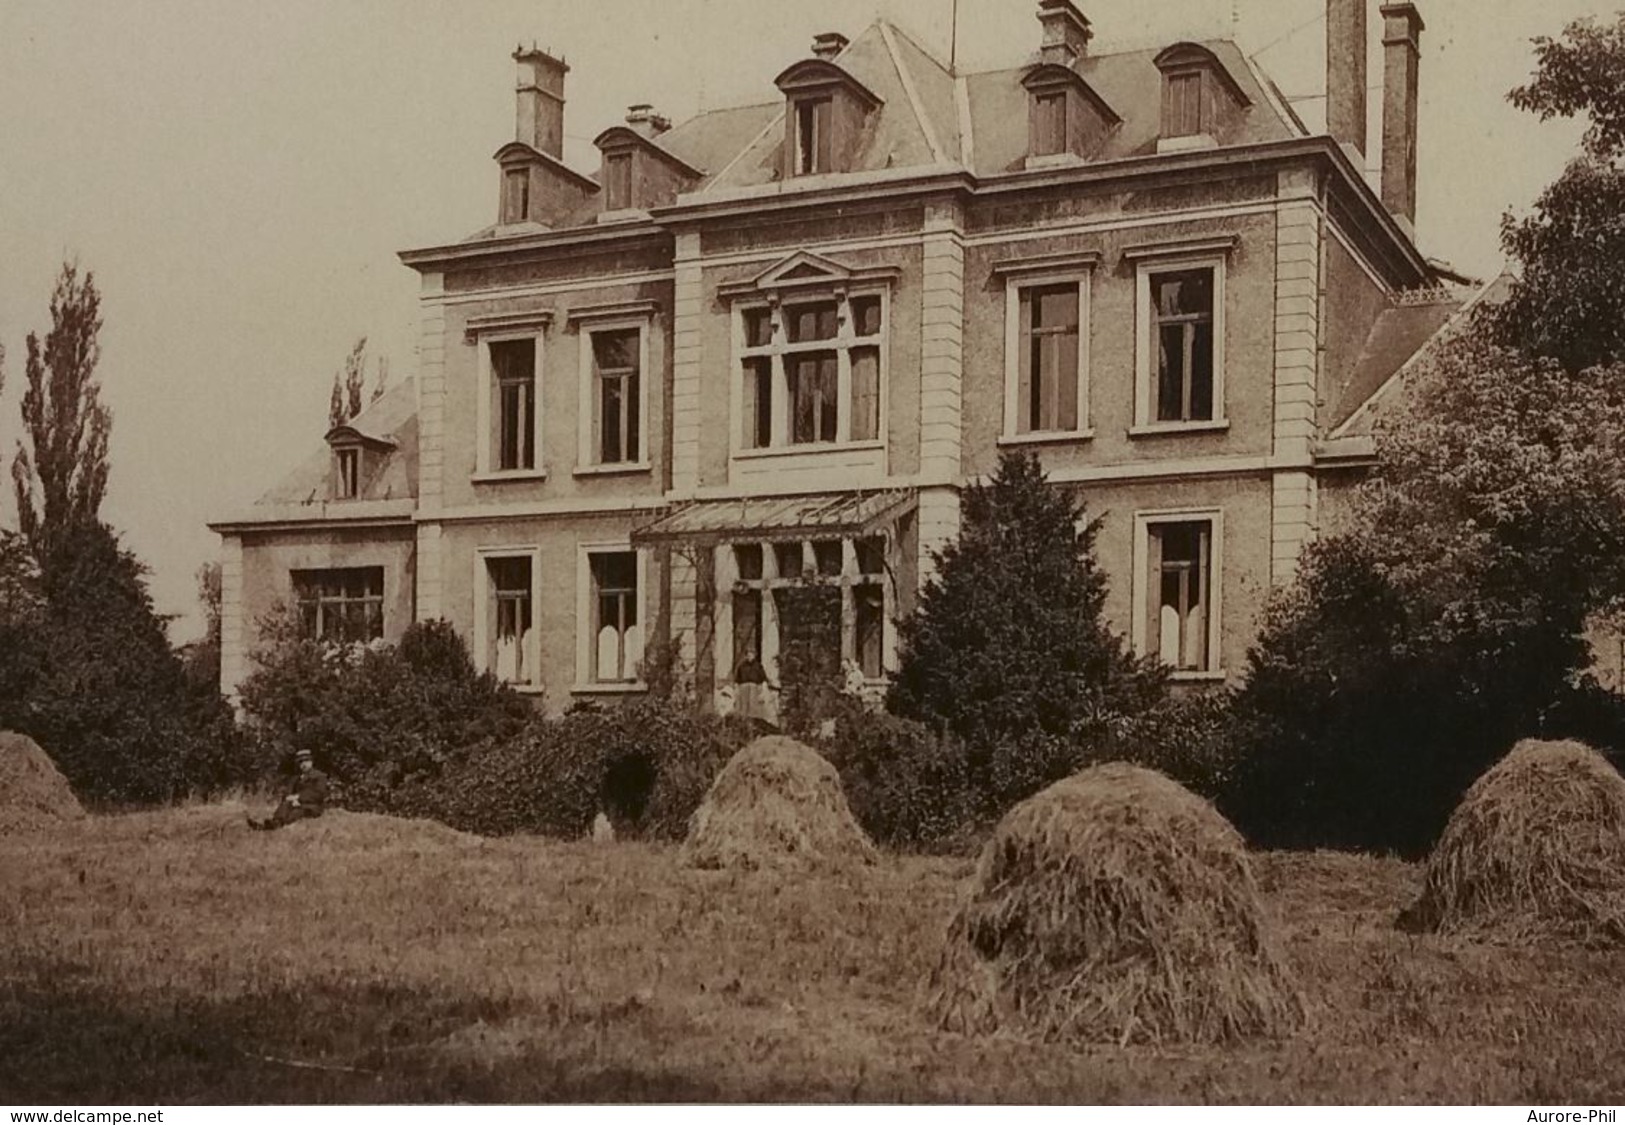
[777, 518]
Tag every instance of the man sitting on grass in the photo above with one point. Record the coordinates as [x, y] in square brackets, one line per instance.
[308, 799]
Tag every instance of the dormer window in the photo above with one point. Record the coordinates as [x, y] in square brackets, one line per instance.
[813, 136]
[1066, 118]
[347, 469]
[1201, 101]
[826, 110]
[516, 195]
[618, 181]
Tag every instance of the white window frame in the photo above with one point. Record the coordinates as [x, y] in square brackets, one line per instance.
[850, 577]
[1145, 346]
[1143, 522]
[486, 452]
[584, 683]
[587, 452]
[1013, 288]
[842, 344]
[482, 621]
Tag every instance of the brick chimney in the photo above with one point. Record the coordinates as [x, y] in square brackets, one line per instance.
[539, 121]
[828, 45]
[1401, 54]
[644, 121]
[1066, 32]
[1346, 73]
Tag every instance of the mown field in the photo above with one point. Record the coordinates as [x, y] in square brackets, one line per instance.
[176, 957]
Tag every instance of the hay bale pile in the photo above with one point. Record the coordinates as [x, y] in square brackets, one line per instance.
[1535, 850]
[34, 796]
[1117, 907]
[776, 803]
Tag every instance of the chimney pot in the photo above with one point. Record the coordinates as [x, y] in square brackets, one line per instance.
[1346, 72]
[828, 45]
[1401, 47]
[643, 120]
[1066, 32]
[539, 94]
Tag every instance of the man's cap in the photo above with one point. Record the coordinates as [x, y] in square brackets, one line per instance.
[303, 756]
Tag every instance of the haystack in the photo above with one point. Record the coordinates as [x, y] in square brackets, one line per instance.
[1116, 907]
[775, 804]
[33, 795]
[1535, 850]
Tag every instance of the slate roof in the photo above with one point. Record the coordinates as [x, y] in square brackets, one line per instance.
[392, 419]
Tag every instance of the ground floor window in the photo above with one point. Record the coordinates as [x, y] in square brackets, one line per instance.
[509, 635]
[614, 617]
[1179, 592]
[845, 630]
[342, 604]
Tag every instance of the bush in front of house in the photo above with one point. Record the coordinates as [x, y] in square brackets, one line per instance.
[378, 717]
[646, 764]
[909, 787]
[1008, 639]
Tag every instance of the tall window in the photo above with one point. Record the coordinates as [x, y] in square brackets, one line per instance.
[617, 395]
[855, 567]
[347, 473]
[513, 389]
[340, 605]
[810, 373]
[1049, 123]
[616, 651]
[1048, 372]
[1182, 105]
[1182, 315]
[516, 195]
[1180, 602]
[814, 134]
[618, 181]
[510, 617]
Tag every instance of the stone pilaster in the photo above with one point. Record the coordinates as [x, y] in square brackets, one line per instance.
[235, 628]
[688, 311]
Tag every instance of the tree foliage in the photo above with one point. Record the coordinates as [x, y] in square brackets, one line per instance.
[1008, 639]
[349, 386]
[1569, 301]
[60, 469]
[1447, 620]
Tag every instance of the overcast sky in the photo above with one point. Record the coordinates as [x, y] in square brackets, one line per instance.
[239, 177]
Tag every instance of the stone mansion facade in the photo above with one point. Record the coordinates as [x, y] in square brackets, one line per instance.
[776, 342]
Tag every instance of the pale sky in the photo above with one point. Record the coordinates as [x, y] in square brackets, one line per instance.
[239, 177]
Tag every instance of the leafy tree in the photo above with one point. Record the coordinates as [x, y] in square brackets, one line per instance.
[1008, 639]
[60, 472]
[349, 385]
[111, 702]
[202, 657]
[1569, 301]
[1447, 620]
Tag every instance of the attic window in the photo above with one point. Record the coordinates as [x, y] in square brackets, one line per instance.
[813, 136]
[516, 195]
[1049, 123]
[347, 473]
[618, 181]
[1182, 105]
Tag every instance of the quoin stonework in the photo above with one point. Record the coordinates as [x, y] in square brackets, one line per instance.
[778, 340]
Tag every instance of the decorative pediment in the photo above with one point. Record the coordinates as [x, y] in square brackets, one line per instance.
[806, 270]
[347, 436]
[1045, 77]
[1194, 56]
[618, 138]
[811, 75]
[516, 153]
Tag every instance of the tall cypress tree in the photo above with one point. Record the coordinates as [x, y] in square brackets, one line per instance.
[60, 470]
[1008, 639]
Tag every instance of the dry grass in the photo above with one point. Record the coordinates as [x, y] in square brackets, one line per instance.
[1115, 906]
[776, 803]
[178, 957]
[33, 794]
[1535, 851]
